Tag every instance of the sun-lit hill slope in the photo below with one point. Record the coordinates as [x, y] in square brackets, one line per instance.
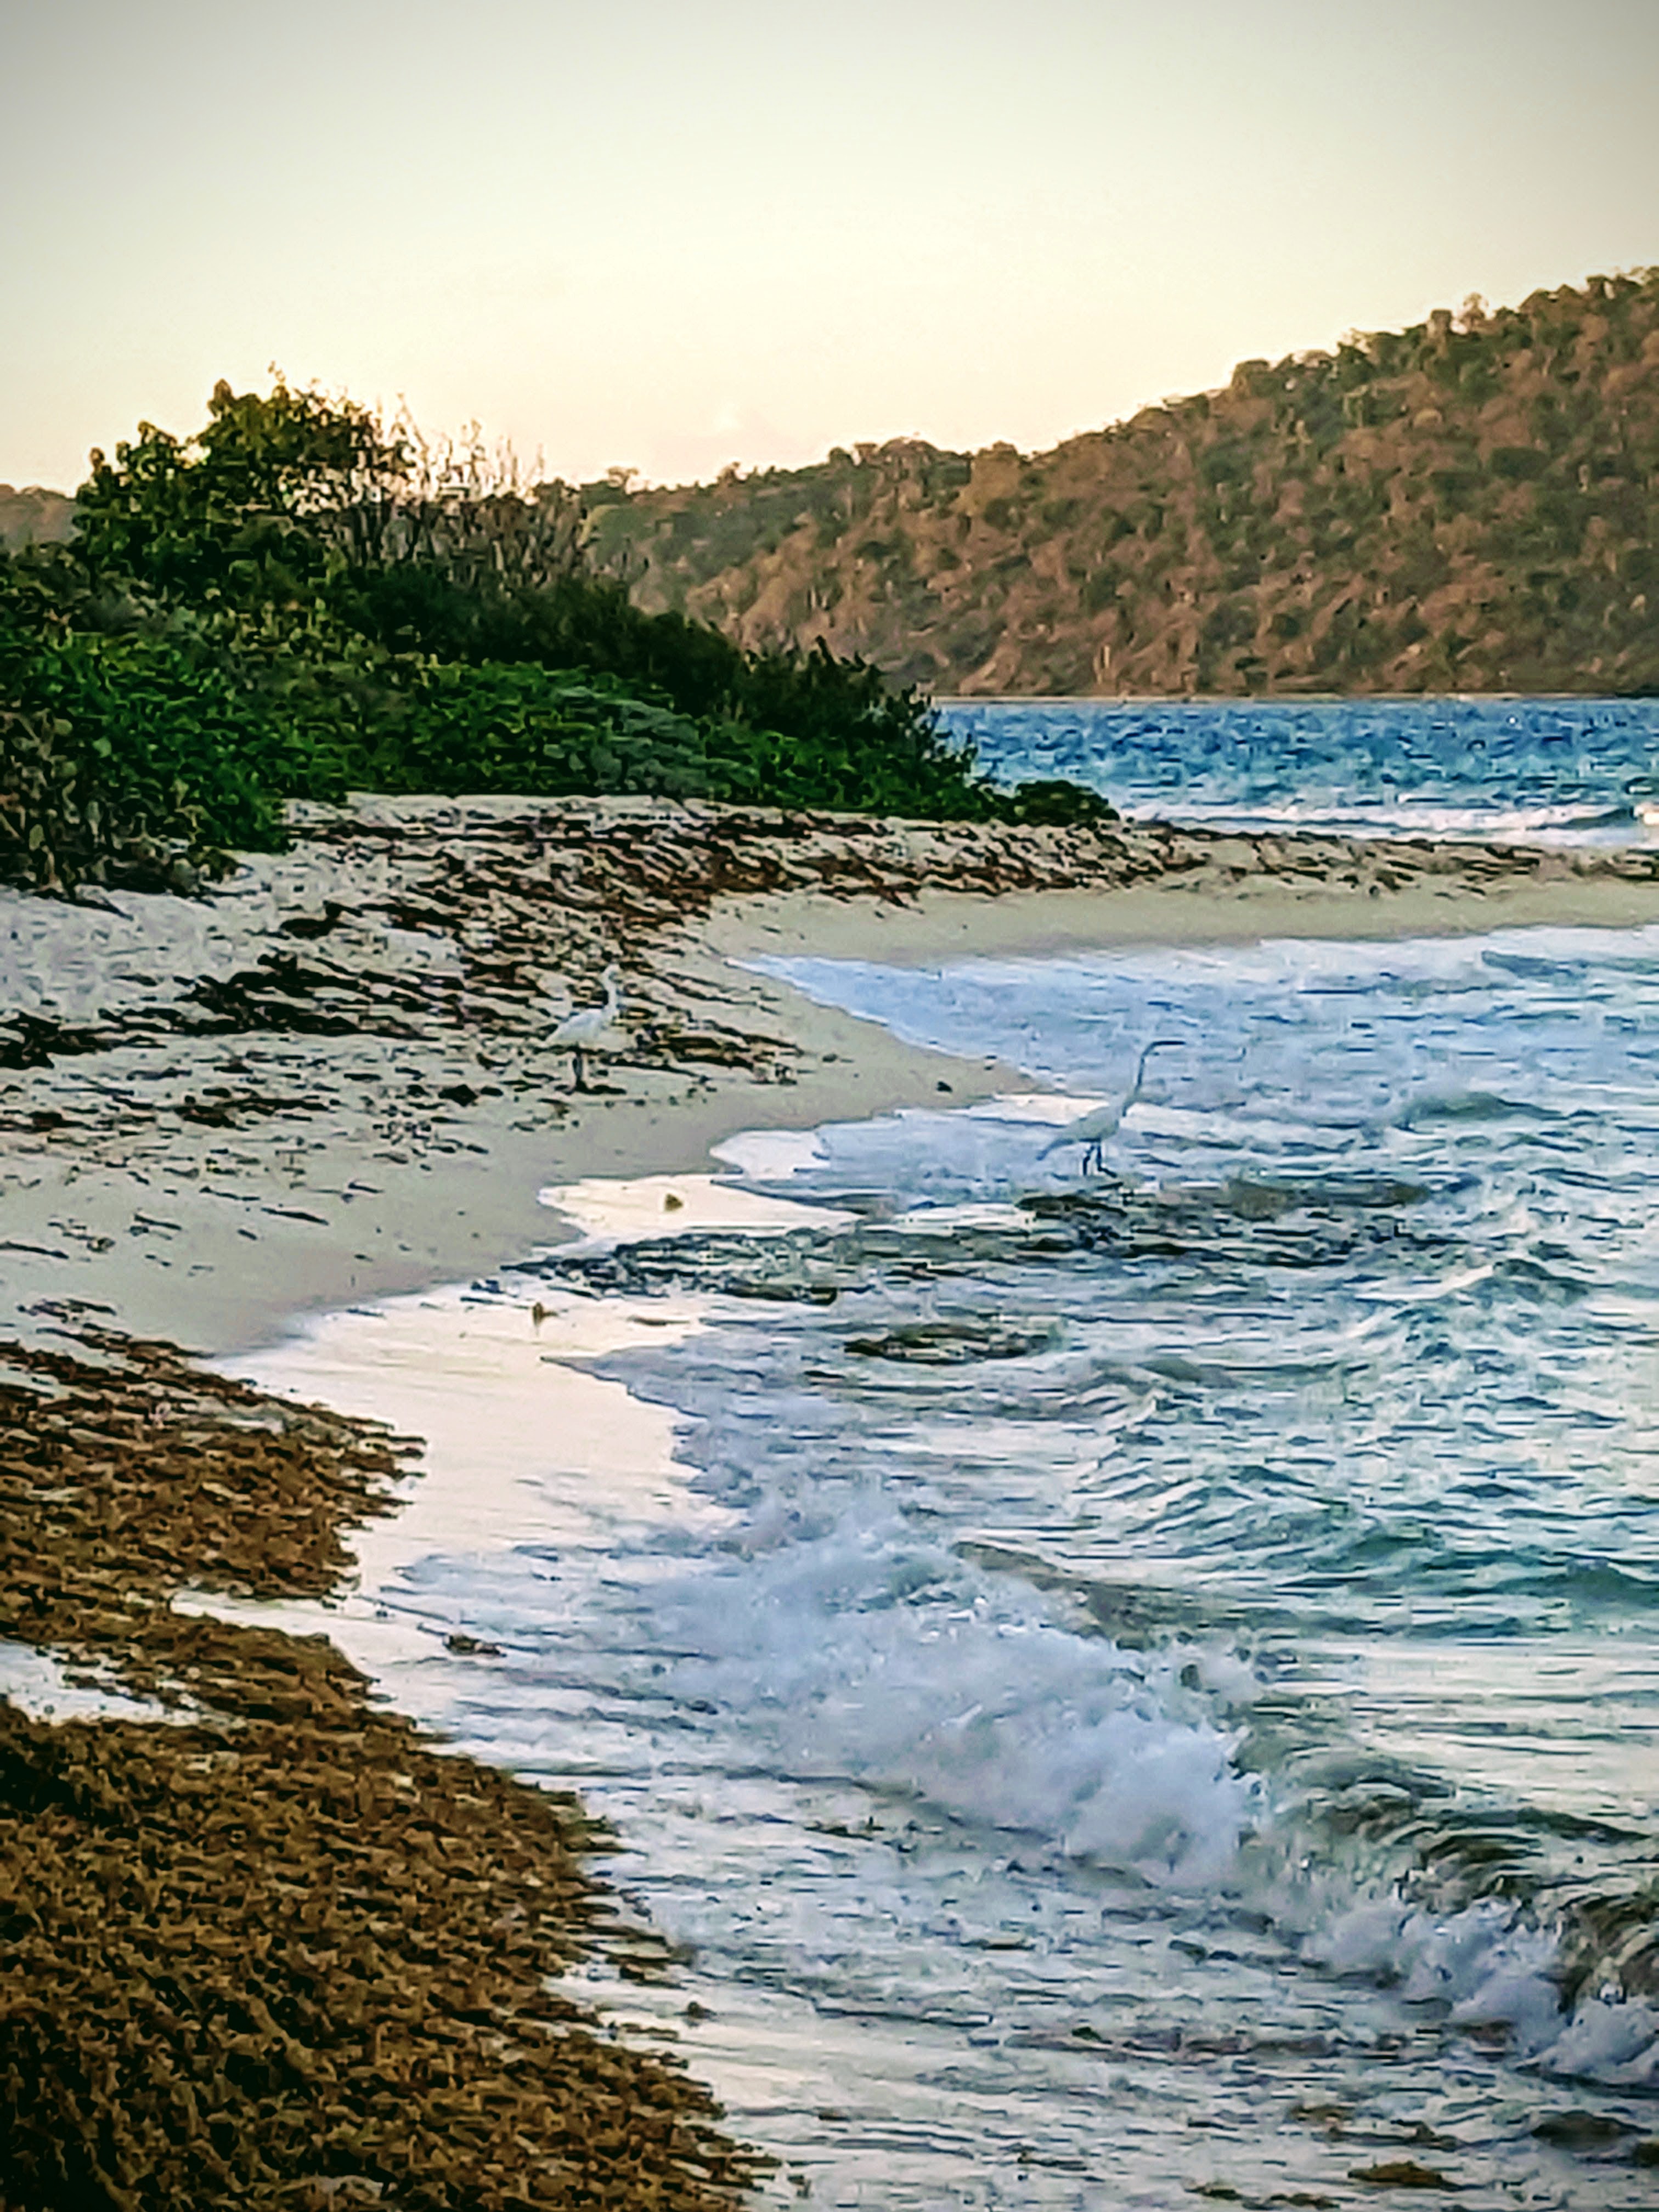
[1472, 504]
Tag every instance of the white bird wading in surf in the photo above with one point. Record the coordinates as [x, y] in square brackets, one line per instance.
[1092, 1130]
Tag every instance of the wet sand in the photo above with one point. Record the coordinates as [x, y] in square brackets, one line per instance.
[332, 1080]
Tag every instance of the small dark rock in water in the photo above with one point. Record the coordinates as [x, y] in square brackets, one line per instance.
[1334, 2117]
[1583, 2131]
[471, 1646]
[463, 1094]
[951, 1343]
[1401, 2174]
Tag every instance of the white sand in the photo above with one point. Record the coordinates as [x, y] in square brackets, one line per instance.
[217, 1238]
[353, 1178]
[944, 926]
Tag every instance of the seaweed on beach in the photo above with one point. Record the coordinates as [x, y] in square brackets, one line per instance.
[275, 1948]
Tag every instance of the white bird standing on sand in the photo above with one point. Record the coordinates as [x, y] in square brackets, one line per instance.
[588, 1024]
[1092, 1130]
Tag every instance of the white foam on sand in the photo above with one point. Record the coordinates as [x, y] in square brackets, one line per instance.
[522, 1444]
[37, 1685]
[888, 1795]
[609, 1211]
[527, 1451]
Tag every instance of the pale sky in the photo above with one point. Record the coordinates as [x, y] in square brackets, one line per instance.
[670, 234]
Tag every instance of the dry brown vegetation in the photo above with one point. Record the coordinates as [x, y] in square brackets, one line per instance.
[1466, 505]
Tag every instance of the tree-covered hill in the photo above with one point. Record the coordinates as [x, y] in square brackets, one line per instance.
[1472, 504]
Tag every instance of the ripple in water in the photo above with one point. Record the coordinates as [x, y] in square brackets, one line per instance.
[1128, 1686]
[1520, 771]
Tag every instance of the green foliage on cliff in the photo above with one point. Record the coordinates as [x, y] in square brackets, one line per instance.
[298, 601]
[1466, 505]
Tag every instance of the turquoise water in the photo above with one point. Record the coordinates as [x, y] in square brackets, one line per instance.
[1157, 1690]
[1148, 1681]
[1567, 771]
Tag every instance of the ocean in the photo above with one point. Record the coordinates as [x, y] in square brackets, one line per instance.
[1118, 1627]
[1543, 771]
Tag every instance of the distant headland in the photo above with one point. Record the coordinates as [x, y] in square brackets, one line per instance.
[1466, 505]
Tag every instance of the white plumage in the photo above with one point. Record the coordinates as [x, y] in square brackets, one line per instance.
[1092, 1130]
[588, 1024]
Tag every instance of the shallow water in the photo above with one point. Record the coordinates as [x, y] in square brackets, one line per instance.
[1529, 771]
[1123, 1683]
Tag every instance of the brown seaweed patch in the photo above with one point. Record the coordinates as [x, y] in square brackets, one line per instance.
[287, 1951]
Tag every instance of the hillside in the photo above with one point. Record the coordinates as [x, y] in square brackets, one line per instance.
[1472, 504]
[34, 516]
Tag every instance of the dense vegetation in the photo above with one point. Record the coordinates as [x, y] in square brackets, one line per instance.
[1468, 505]
[298, 602]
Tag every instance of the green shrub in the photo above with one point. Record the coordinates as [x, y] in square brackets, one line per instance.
[1051, 803]
[298, 603]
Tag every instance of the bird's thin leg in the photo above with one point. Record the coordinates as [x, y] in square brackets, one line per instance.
[578, 1080]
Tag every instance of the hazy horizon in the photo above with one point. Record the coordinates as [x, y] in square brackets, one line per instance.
[672, 239]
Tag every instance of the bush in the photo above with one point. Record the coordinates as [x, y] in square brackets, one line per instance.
[503, 727]
[1050, 803]
[300, 602]
[122, 760]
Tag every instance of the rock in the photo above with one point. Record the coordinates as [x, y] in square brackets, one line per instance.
[1582, 2131]
[1401, 2174]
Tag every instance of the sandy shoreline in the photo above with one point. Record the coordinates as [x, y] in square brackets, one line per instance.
[942, 925]
[334, 1081]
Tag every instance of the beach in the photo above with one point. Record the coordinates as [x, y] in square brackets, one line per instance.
[331, 1082]
[332, 1079]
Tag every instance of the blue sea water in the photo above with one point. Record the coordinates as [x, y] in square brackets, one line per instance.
[1145, 1678]
[1566, 771]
